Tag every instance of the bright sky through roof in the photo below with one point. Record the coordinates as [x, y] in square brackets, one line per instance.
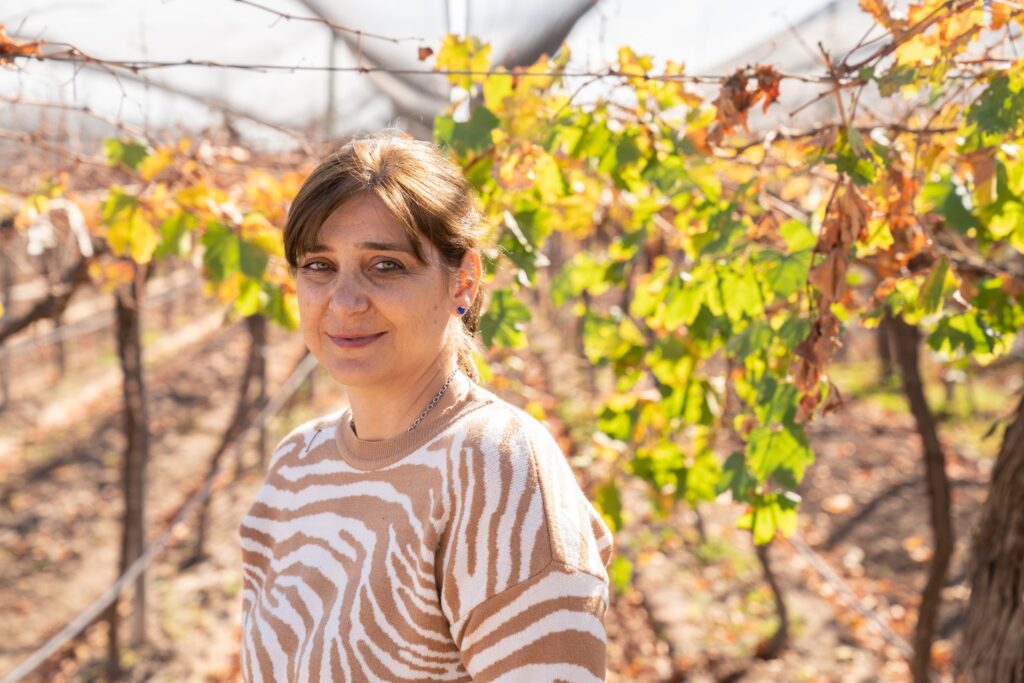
[700, 33]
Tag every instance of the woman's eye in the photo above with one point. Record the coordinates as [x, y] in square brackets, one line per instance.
[315, 267]
[387, 266]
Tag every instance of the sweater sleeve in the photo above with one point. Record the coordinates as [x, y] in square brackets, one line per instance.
[548, 628]
[524, 582]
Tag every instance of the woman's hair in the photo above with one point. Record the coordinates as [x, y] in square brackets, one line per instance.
[426, 192]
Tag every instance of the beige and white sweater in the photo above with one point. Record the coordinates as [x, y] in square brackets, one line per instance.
[461, 551]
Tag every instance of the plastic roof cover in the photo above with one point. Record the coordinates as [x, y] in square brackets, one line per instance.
[701, 33]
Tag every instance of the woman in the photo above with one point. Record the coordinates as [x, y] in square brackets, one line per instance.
[430, 531]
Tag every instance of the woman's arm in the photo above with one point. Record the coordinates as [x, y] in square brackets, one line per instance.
[524, 582]
[549, 627]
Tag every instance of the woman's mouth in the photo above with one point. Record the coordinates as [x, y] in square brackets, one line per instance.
[355, 341]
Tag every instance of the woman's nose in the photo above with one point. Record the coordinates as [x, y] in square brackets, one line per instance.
[348, 294]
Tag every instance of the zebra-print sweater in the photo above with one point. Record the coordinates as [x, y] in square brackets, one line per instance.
[461, 551]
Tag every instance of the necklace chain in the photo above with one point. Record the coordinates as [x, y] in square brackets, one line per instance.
[433, 402]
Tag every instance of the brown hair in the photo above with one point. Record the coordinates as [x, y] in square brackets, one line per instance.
[425, 191]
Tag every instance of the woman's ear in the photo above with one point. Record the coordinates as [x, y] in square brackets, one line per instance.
[467, 280]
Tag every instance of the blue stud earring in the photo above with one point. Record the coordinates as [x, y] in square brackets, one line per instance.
[461, 310]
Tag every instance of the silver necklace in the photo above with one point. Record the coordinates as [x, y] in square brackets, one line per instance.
[433, 402]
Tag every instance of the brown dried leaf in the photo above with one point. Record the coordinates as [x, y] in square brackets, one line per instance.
[806, 375]
[768, 80]
[9, 48]
[983, 165]
[856, 210]
[878, 10]
[830, 276]
[732, 104]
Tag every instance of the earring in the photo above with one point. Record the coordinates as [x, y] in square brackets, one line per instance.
[461, 310]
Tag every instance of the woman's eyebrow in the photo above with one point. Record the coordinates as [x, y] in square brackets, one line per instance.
[371, 246]
[386, 246]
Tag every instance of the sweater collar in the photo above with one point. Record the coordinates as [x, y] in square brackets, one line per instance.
[462, 396]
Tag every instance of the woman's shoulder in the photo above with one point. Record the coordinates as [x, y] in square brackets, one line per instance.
[497, 418]
[499, 435]
[512, 459]
[305, 436]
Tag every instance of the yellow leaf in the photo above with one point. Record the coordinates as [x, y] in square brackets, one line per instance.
[154, 163]
[130, 234]
[918, 50]
[620, 402]
[460, 55]
[258, 230]
[496, 89]
[109, 275]
[536, 410]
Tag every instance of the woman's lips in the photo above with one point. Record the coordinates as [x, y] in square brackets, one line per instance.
[355, 342]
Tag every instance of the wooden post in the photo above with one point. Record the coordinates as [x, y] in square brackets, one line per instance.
[906, 339]
[128, 309]
[993, 644]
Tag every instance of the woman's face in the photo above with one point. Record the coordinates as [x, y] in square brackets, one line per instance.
[370, 311]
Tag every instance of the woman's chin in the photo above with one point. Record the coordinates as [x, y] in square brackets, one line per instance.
[357, 374]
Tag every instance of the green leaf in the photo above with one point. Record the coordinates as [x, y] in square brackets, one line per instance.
[685, 296]
[249, 299]
[967, 331]
[798, 236]
[740, 293]
[470, 137]
[944, 195]
[594, 140]
[252, 260]
[618, 425]
[793, 331]
[661, 464]
[668, 174]
[852, 157]
[502, 322]
[890, 82]
[997, 110]
[701, 478]
[736, 478]
[116, 202]
[776, 402]
[1008, 222]
[608, 339]
[754, 338]
[221, 255]
[723, 231]
[128, 152]
[582, 274]
[779, 453]
[609, 503]
[175, 235]
[278, 309]
[933, 293]
[784, 273]
[620, 573]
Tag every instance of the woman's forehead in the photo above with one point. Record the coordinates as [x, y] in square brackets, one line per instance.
[364, 222]
[364, 217]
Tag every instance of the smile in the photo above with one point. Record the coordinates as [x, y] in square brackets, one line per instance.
[355, 342]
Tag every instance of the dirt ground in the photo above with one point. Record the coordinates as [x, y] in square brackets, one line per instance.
[696, 611]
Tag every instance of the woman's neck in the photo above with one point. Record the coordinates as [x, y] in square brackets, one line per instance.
[382, 412]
